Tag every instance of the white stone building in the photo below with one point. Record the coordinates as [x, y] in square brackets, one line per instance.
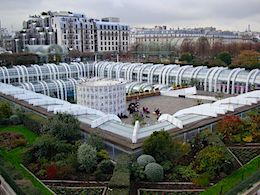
[108, 96]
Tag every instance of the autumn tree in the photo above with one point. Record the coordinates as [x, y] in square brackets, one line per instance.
[216, 48]
[248, 58]
[229, 125]
[202, 47]
[187, 47]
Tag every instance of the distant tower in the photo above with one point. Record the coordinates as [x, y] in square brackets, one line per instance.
[249, 28]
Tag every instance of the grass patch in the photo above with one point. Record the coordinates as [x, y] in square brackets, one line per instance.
[15, 156]
[235, 178]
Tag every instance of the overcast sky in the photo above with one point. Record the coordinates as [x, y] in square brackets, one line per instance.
[222, 14]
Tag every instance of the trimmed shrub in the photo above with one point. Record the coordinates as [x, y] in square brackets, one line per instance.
[15, 119]
[106, 166]
[145, 159]
[154, 172]
[87, 157]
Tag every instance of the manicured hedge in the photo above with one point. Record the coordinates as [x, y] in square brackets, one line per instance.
[120, 180]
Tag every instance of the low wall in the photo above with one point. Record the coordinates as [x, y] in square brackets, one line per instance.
[5, 188]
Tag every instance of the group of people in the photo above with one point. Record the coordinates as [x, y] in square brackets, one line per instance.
[134, 107]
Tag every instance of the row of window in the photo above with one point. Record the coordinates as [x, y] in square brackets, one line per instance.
[112, 48]
[111, 27]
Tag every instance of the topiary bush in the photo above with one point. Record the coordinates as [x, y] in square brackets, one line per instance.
[145, 159]
[106, 166]
[154, 172]
[15, 120]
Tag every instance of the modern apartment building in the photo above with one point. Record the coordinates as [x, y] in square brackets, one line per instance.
[75, 31]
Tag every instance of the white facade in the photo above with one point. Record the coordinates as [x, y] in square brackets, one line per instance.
[108, 96]
[75, 31]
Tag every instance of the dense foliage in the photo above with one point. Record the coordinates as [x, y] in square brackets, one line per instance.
[233, 129]
[87, 157]
[161, 146]
[5, 110]
[64, 127]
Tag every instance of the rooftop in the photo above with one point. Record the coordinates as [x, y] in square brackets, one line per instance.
[166, 105]
[103, 82]
[126, 135]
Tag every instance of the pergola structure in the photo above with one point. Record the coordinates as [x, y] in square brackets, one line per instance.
[215, 79]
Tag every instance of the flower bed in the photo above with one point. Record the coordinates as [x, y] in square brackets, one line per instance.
[11, 140]
[245, 154]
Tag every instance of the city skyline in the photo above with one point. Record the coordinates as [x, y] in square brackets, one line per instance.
[229, 15]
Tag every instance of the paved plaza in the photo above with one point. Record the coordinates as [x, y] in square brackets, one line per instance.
[166, 104]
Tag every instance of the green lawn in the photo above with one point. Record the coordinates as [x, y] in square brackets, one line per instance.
[15, 156]
[236, 178]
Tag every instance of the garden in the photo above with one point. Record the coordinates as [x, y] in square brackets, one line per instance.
[54, 149]
[49, 149]
[201, 161]
[206, 159]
